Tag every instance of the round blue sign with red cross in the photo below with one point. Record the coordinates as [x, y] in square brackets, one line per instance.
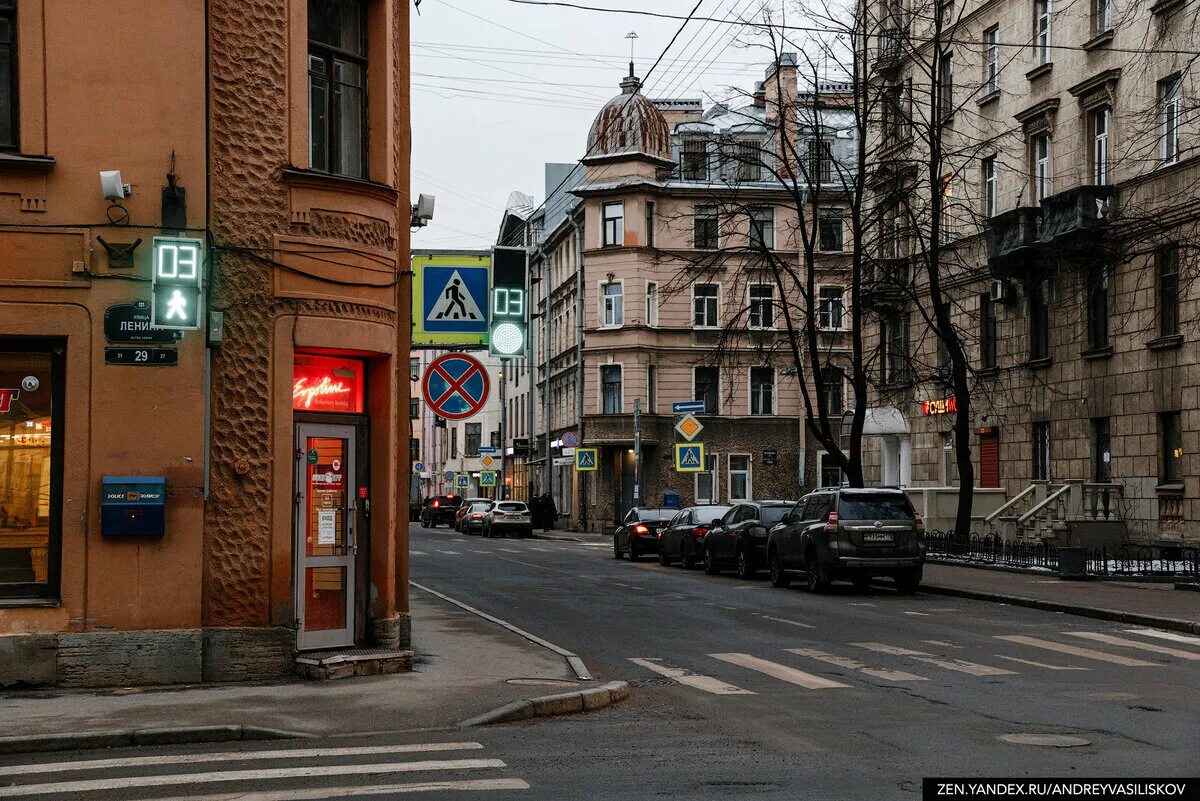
[456, 386]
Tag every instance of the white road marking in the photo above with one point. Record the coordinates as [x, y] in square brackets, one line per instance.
[753, 587]
[863, 603]
[1040, 664]
[958, 665]
[318, 794]
[417, 553]
[1144, 646]
[778, 671]
[706, 683]
[539, 550]
[234, 756]
[1165, 635]
[941, 643]
[854, 664]
[1075, 650]
[125, 782]
[919, 614]
[450, 553]
[789, 622]
[507, 550]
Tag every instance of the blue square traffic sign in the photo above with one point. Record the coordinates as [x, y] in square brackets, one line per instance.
[455, 299]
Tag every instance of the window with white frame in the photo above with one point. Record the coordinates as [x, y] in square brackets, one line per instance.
[831, 471]
[762, 306]
[740, 488]
[830, 308]
[829, 230]
[991, 59]
[762, 228]
[651, 303]
[414, 369]
[1098, 123]
[1042, 41]
[1169, 101]
[988, 170]
[1039, 151]
[610, 389]
[694, 159]
[706, 482]
[1101, 16]
[614, 305]
[614, 224]
[704, 305]
[762, 390]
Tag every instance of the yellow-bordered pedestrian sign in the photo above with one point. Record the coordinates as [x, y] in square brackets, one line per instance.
[689, 457]
[487, 478]
[587, 459]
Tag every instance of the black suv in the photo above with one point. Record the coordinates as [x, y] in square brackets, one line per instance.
[440, 509]
[844, 533]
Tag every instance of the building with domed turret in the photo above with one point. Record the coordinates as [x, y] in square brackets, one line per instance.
[650, 286]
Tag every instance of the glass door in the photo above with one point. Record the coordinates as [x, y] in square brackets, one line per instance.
[325, 536]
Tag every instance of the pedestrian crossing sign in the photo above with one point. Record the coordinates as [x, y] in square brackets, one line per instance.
[464, 480]
[487, 478]
[450, 299]
[586, 459]
[689, 457]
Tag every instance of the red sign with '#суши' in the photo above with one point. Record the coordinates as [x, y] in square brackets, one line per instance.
[7, 396]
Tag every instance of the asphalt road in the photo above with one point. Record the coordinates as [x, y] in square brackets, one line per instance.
[741, 691]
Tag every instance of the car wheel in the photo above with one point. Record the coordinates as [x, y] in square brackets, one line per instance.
[745, 565]
[616, 547]
[710, 564]
[487, 532]
[686, 560]
[861, 583]
[779, 576]
[663, 559]
[633, 554]
[908, 581]
[818, 578]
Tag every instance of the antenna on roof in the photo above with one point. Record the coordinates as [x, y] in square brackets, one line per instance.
[632, 37]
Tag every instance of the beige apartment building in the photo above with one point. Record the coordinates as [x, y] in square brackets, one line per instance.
[1071, 183]
[652, 285]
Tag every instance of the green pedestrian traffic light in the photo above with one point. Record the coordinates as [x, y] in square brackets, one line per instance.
[508, 329]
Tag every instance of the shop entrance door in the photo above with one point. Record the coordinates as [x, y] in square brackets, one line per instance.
[326, 537]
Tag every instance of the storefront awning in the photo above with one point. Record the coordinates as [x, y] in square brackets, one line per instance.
[885, 420]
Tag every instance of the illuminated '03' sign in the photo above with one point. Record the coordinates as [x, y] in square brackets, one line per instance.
[178, 279]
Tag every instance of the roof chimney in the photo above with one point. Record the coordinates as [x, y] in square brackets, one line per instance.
[760, 94]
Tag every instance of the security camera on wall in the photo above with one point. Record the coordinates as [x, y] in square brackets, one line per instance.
[422, 212]
[112, 186]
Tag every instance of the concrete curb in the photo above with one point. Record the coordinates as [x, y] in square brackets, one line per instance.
[545, 706]
[1193, 586]
[1133, 618]
[556, 538]
[176, 735]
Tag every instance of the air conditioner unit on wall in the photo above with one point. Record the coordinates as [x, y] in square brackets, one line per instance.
[1000, 291]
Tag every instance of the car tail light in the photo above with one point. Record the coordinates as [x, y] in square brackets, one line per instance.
[476, 517]
[699, 531]
[437, 504]
[832, 523]
[640, 529]
[920, 524]
[498, 513]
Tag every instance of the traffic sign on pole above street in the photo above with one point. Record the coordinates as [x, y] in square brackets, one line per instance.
[687, 407]
[689, 427]
[586, 459]
[450, 299]
[569, 439]
[455, 386]
[689, 458]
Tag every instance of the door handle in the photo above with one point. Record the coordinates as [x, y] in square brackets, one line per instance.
[351, 532]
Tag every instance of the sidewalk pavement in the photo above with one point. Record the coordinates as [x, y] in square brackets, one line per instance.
[464, 667]
[1156, 604]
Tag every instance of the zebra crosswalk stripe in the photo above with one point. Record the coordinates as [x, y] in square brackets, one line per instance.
[957, 665]
[706, 683]
[1143, 646]
[319, 794]
[854, 664]
[1075, 650]
[213, 777]
[1165, 635]
[778, 671]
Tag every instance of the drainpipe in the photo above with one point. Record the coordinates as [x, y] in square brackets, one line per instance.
[548, 469]
[581, 496]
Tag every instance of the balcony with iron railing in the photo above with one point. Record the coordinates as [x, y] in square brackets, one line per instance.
[1067, 223]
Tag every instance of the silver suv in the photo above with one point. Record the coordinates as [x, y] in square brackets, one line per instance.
[845, 533]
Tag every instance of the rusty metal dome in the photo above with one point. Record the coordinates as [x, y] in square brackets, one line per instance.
[629, 124]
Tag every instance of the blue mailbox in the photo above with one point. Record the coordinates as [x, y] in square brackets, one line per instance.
[133, 506]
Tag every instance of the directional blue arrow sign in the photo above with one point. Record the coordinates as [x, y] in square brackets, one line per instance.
[488, 451]
[687, 407]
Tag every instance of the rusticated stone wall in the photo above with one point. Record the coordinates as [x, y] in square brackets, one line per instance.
[248, 96]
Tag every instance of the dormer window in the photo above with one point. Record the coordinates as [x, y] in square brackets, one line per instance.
[748, 157]
[693, 159]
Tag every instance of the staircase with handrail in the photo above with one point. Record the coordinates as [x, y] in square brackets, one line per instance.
[1071, 512]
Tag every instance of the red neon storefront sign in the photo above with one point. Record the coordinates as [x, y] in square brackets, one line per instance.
[943, 406]
[327, 384]
[7, 396]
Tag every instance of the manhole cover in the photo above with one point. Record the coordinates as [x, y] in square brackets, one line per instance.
[543, 682]
[1105, 696]
[1045, 740]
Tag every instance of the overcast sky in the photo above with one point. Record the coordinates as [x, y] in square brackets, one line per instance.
[501, 88]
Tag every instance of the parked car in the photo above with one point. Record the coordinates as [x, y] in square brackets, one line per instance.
[469, 518]
[505, 517]
[683, 537]
[638, 532]
[740, 537]
[855, 534]
[440, 509]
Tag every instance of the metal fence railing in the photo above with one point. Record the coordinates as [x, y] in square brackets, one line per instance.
[1131, 560]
